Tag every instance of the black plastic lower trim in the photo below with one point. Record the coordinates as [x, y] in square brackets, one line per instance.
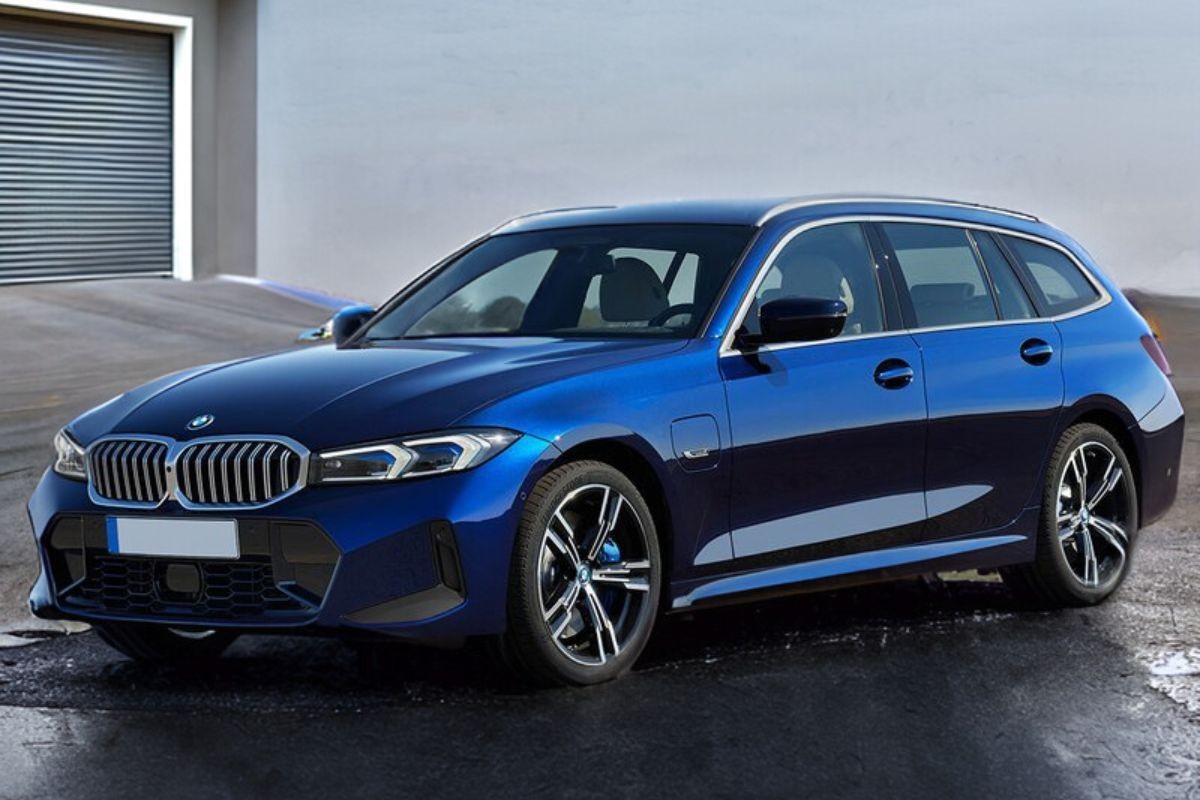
[283, 573]
[450, 590]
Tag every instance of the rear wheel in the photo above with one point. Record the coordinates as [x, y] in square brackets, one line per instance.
[1088, 523]
[158, 644]
[585, 578]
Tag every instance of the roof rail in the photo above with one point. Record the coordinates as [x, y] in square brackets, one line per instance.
[802, 202]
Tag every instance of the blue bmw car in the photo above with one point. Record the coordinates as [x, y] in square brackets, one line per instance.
[590, 417]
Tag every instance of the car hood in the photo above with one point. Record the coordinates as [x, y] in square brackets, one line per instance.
[322, 396]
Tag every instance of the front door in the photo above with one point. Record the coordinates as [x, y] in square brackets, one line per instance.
[828, 437]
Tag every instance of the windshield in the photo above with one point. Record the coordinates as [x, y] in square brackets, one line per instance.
[603, 281]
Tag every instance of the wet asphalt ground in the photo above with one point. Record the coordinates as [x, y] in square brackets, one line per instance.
[926, 687]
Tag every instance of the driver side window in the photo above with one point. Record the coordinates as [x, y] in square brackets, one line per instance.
[831, 262]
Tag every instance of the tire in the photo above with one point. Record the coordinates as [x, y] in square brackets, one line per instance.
[581, 607]
[156, 644]
[1102, 523]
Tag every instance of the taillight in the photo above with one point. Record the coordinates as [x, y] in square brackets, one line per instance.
[1156, 354]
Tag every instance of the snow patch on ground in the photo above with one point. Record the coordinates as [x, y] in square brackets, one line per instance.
[1176, 675]
[22, 635]
[1171, 664]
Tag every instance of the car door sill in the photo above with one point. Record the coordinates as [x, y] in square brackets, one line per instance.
[772, 577]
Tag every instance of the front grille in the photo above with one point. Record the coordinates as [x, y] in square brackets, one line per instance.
[236, 472]
[227, 590]
[130, 470]
[209, 472]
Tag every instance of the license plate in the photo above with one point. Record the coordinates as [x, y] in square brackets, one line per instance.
[173, 537]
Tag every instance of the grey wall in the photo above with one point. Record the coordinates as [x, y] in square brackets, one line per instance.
[391, 132]
[237, 143]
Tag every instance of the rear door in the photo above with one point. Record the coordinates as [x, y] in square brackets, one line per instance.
[993, 380]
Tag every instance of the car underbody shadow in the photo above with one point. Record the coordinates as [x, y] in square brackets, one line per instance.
[277, 672]
[787, 621]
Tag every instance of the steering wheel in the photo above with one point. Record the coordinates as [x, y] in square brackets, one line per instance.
[671, 311]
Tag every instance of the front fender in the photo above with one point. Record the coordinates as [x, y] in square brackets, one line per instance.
[635, 406]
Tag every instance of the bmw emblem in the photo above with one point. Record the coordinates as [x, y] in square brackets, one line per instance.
[202, 421]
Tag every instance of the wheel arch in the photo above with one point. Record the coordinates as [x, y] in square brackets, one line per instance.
[628, 457]
[1113, 417]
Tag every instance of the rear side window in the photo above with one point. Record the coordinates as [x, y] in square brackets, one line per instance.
[681, 287]
[1014, 303]
[944, 279]
[1062, 286]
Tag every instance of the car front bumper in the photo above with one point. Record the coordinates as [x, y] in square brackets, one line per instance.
[426, 559]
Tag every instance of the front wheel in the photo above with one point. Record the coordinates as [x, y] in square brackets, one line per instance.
[585, 578]
[163, 645]
[1088, 524]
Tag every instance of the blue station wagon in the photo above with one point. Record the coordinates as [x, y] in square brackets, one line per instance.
[590, 417]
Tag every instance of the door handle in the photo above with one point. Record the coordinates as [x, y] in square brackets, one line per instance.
[894, 374]
[1036, 352]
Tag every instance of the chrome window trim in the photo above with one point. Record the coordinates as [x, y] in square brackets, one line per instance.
[792, 205]
[727, 348]
[175, 450]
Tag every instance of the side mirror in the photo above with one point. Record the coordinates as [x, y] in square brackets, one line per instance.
[346, 322]
[340, 327]
[800, 319]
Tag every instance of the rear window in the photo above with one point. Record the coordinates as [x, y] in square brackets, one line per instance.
[1062, 286]
[1014, 303]
[944, 280]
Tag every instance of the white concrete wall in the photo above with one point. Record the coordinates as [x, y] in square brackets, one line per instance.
[391, 132]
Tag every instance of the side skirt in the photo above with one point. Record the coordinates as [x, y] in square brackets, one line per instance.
[875, 565]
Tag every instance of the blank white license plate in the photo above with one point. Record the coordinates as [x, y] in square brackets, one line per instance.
[173, 537]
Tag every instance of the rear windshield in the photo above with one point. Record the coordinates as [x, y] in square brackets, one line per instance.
[602, 281]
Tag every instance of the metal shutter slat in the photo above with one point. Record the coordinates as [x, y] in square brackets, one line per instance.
[85, 151]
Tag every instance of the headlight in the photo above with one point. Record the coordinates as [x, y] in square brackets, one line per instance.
[412, 458]
[68, 457]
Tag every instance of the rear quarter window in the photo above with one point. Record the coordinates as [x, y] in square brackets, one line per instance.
[1056, 278]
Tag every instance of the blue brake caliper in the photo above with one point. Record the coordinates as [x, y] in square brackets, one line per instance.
[610, 553]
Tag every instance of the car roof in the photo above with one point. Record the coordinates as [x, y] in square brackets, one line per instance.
[759, 211]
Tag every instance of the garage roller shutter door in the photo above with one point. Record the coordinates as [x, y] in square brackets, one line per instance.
[85, 151]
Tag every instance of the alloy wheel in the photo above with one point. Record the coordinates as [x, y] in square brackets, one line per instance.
[1093, 514]
[594, 574]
